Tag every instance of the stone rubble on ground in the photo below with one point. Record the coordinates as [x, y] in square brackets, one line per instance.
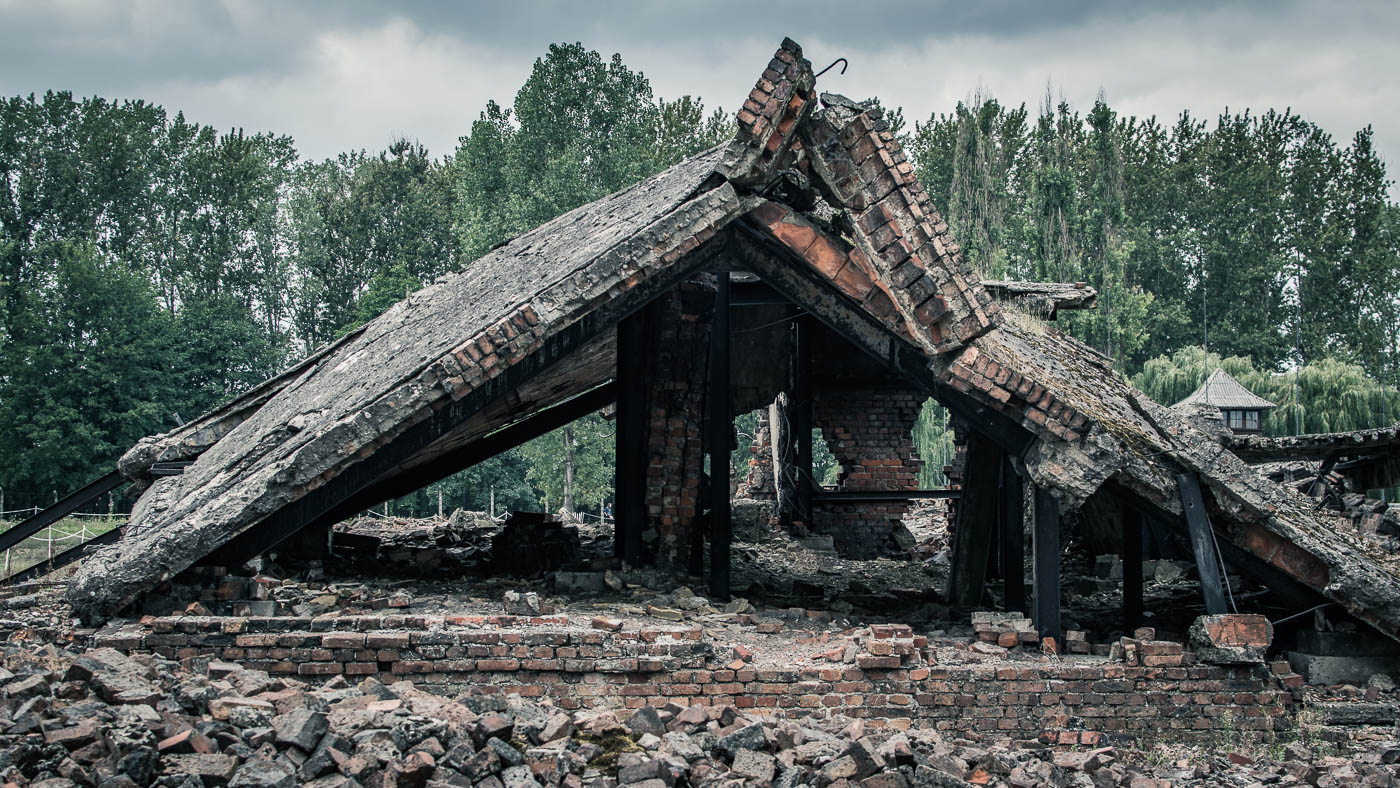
[100, 718]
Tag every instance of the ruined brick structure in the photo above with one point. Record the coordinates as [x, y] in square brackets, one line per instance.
[870, 433]
[1063, 703]
[680, 326]
[816, 210]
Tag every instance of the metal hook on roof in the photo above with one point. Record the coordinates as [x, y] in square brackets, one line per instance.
[840, 60]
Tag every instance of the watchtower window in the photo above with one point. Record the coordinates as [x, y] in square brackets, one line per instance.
[1251, 420]
[1235, 419]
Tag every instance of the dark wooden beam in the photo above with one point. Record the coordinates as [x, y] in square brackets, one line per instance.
[1013, 537]
[977, 522]
[1158, 524]
[877, 496]
[329, 500]
[62, 508]
[1132, 568]
[266, 535]
[802, 416]
[721, 430]
[1046, 549]
[64, 558]
[631, 448]
[1202, 541]
[794, 278]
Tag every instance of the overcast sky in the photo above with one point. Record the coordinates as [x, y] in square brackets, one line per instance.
[356, 74]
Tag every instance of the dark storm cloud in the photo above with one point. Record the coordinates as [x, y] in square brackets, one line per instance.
[356, 73]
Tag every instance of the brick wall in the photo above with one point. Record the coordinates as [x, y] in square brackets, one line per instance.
[1075, 701]
[870, 432]
[675, 405]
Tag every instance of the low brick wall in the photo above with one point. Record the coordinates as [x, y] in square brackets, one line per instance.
[1074, 701]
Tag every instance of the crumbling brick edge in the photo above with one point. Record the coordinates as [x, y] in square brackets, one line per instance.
[1081, 702]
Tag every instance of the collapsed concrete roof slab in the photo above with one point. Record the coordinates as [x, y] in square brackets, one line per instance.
[1316, 446]
[415, 373]
[876, 261]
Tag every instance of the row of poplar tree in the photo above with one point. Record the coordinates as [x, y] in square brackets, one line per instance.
[151, 267]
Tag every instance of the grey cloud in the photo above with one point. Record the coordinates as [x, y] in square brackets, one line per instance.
[353, 73]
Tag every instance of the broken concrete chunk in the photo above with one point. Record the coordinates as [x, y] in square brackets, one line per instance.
[518, 604]
[301, 728]
[754, 765]
[646, 720]
[210, 769]
[1231, 638]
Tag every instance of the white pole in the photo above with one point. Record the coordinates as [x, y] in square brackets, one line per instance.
[439, 503]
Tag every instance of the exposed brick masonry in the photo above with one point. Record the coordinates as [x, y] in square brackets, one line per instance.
[870, 432]
[1076, 701]
[675, 449]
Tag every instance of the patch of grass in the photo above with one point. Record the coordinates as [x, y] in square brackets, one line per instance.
[613, 746]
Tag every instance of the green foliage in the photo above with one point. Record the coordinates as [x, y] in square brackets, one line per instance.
[388, 287]
[1328, 395]
[591, 440]
[580, 129]
[933, 440]
[1257, 235]
[361, 223]
[150, 266]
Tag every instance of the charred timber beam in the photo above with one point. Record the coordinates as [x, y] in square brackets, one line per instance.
[1013, 537]
[170, 468]
[977, 523]
[1046, 547]
[630, 480]
[67, 505]
[64, 558]
[1132, 568]
[1158, 523]
[755, 293]
[802, 417]
[877, 496]
[270, 532]
[721, 430]
[1202, 541]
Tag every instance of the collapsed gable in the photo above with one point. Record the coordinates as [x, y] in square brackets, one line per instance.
[814, 196]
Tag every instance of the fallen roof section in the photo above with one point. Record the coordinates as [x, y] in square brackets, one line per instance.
[1044, 299]
[446, 367]
[1316, 446]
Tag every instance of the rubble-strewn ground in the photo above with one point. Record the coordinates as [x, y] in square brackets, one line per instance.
[101, 718]
[69, 717]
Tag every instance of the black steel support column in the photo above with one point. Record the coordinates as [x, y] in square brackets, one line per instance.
[977, 522]
[1193, 505]
[629, 510]
[1132, 568]
[1013, 537]
[802, 416]
[721, 430]
[1046, 548]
